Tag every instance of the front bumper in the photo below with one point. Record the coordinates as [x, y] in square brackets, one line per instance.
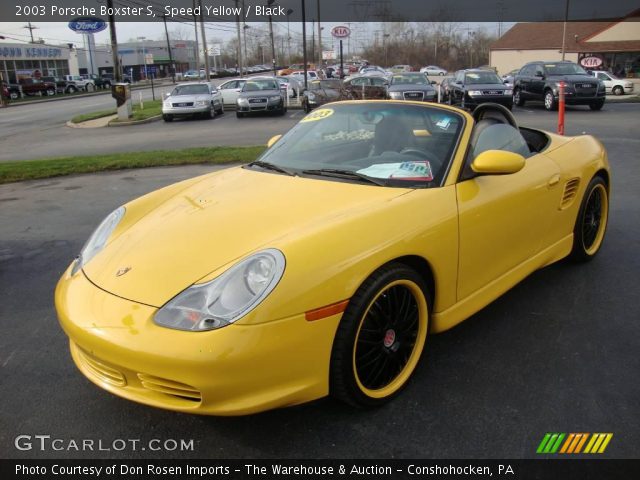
[186, 110]
[238, 369]
[259, 107]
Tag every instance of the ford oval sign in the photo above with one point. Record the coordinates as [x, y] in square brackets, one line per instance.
[340, 31]
[87, 25]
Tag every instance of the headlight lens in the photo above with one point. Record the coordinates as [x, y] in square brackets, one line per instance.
[98, 239]
[396, 95]
[508, 91]
[201, 103]
[275, 99]
[474, 93]
[243, 101]
[227, 298]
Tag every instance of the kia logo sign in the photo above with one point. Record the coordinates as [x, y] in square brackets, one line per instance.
[340, 31]
[87, 25]
[591, 62]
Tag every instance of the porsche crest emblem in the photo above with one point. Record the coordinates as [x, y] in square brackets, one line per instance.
[122, 271]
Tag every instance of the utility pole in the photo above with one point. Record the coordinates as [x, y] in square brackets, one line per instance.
[319, 38]
[31, 28]
[195, 27]
[244, 32]
[207, 72]
[171, 64]
[240, 59]
[273, 47]
[304, 43]
[564, 28]
[289, 12]
[117, 75]
[313, 40]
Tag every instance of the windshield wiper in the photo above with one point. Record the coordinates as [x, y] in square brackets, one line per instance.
[348, 174]
[271, 166]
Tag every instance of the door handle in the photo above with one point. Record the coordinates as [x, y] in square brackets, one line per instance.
[553, 181]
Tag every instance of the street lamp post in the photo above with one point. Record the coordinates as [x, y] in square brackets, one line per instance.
[289, 12]
[144, 56]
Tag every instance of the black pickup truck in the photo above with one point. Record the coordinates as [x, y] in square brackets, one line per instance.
[62, 85]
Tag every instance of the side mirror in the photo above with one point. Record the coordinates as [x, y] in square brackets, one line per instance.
[539, 75]
[166, 95]
[505, 81]
[498, 162]
[273, 140]
[433, 82]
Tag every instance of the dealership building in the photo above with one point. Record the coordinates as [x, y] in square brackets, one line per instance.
[613, 46]
[34, 60]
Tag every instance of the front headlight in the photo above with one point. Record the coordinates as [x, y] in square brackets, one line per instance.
[474, 93]
[227, 298]
[243, 101]
[508, 91]
[201, 103]
[98, 239]
[275, 99]
[396, 95]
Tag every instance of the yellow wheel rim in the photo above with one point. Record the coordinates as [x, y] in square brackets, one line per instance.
[390, 338]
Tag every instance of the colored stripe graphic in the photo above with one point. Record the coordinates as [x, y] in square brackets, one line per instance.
[573, 443]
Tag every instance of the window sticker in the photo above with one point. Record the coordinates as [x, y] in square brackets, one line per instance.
[418, 170]
[318, 115]
[444, 123]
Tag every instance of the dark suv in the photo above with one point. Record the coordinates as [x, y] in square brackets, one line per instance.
[472, 87]
[540, 81]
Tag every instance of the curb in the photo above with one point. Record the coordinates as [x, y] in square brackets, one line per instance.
[134, 122]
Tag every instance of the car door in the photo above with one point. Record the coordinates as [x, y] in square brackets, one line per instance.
[536, 86]
[230, 91]
[504, 219]
[608, 83]
[524, 81]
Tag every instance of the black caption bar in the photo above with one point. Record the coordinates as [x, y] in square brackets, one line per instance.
[583, 469]
[332, 10]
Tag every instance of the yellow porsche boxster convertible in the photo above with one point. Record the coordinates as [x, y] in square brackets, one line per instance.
[320, 268]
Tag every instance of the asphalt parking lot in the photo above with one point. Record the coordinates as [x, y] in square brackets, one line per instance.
[558, 353]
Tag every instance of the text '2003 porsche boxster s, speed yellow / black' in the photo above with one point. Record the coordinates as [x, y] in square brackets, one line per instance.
[322, 267]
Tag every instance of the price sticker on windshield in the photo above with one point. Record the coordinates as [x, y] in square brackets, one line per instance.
[318, 115]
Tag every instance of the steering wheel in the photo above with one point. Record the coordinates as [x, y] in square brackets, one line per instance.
[422, 154]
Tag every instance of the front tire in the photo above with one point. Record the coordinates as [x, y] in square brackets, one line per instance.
[517, 98]
[591, 224]
[239, 114]
[597, 105]
[167, 118]
[51, 92]
[380, 338]
[550, 101]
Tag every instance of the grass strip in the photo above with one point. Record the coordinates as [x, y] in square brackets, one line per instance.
[152, 108]
[16, 171]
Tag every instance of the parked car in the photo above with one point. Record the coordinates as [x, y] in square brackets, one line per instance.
[230, 91]
[472, 87]
[189, 99]
[400, 68]
[323, 91]
[10, 91]
[291, 85]
[299, 75]
[508, 78]
[445, 88]
[125, 78]
[374, 70]
[31, 86]
[613, 84]
[540, 81]
[411, 86]
[86, 84]
[364, 229]
[433, 70]
[101, 82]
[366, 87]
[260, 94]
[293, 68]
[192, 75]
[62, 85]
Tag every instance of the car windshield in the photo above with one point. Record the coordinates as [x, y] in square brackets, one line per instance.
[390, 144]
[408, 79]
[475, 78]
[564, 69]
[257, 85]
[198, 89]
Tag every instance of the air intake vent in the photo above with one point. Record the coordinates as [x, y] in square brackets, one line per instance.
[101, 371]
[570, 191]
[169, 387]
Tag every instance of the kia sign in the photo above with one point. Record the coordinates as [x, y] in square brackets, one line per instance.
[340, 31]
[591, 62]
[87, 25]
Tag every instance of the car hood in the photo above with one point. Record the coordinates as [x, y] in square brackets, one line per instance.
[412, 88]
[485, 86]
[259, 93]
[215, 222]
[573, 78]
[189, 98]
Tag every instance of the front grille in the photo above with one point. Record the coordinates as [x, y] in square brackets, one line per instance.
[570, 191]
[169, 387]
[413, 95]
[257, 100]
[102, 371]
[585, 85]
[183, 104]
[493, 92]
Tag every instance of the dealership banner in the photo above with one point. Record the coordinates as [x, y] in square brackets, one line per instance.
[331, 10]
[583, 469]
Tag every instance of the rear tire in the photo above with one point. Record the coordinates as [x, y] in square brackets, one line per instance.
[14, 96]
[591, 224]
[380, 338]
[617, 90]
[51, 92]
[72, 90]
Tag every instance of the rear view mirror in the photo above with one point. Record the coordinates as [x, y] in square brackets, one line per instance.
[273, 140]
[498, 162]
